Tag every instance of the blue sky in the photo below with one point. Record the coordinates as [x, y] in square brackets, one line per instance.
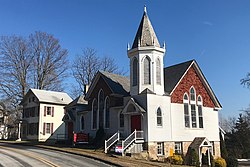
[215, 33]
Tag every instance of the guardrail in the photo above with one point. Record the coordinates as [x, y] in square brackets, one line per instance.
[136, 135]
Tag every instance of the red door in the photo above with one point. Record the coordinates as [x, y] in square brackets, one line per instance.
[70, 130]
[135, 122]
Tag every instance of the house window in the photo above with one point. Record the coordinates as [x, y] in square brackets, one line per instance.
[135, 72]
[200, 112]
[193, 115]
[48, 111]
[82, 122]
[158, 71]
[147, 74]
[48, 128]
[159, 117]
[121, 118]
[160, 147]
[107, 113]
[94, 114]
[178, 148]
[186, 111]
[101, 107]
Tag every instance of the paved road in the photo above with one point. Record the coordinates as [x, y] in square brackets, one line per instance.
[27, 156]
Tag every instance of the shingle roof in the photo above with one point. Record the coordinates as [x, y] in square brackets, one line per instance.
[197, 142]
[117, 83]
[79, 100]
[51, 96]
[145, 35]
[173, 74]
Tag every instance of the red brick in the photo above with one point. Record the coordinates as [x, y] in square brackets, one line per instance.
[191, 79]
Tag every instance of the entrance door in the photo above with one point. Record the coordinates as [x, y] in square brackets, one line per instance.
[135, 122]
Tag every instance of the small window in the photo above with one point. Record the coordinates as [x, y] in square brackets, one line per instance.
[185, 97]
[193, 116]
[48, 111]
[160, 148]
[192, 94]
[200, 116]
[147, 74]
[158, 71]
[159, 117]
[48, 128]
[186, 116]
[82, 122]
[178, 148]
[94, 114]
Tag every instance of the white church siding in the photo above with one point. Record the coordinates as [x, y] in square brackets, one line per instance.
[181, 133]
[155, 101]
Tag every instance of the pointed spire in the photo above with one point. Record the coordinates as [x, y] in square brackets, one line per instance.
[145, 9]
[164, 45]
[128, 47]
[145, 35]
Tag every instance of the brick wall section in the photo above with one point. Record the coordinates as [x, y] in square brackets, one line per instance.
[191, 79]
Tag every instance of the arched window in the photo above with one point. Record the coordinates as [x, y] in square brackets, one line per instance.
[94, 114]
[159, 117]
[82, 122]
[192, 94]
[158, 71]
[121, 120]
[107, 113]
[200, 114]
[147, 74]
[135, 72]
[101, 107]
[186, 111]
[193, 107]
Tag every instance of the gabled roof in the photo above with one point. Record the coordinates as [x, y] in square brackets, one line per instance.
[200, 141]
[49, 96]
[145, 35]
[118, 84]
[78, 101]
[174, 74]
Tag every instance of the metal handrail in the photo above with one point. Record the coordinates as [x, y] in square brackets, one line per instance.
[111, 141]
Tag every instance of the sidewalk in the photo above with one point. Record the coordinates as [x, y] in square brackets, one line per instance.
[115, 160]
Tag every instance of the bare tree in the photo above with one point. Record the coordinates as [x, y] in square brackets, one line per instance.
[15, 61]
[85, 67]
[246, 81]
[49, 61]
[34, 62]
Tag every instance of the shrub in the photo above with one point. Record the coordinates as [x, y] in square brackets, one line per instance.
[192, 158]
[231, 161]
[175, 159]
[220, 162]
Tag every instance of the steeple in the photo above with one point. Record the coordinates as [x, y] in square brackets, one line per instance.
[146, 60]
[145, 35]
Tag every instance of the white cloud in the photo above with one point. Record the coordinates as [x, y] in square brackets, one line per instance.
[208, 23]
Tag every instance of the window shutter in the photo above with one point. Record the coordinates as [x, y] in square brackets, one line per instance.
[44, 126]
[52, 114]
[45, 111]
[52, 127]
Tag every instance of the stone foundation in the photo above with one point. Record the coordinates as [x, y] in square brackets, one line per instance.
[169, 150]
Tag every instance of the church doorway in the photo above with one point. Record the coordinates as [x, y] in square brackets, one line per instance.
[135, 122]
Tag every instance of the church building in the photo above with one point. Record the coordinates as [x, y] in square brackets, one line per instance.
[158, 110]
